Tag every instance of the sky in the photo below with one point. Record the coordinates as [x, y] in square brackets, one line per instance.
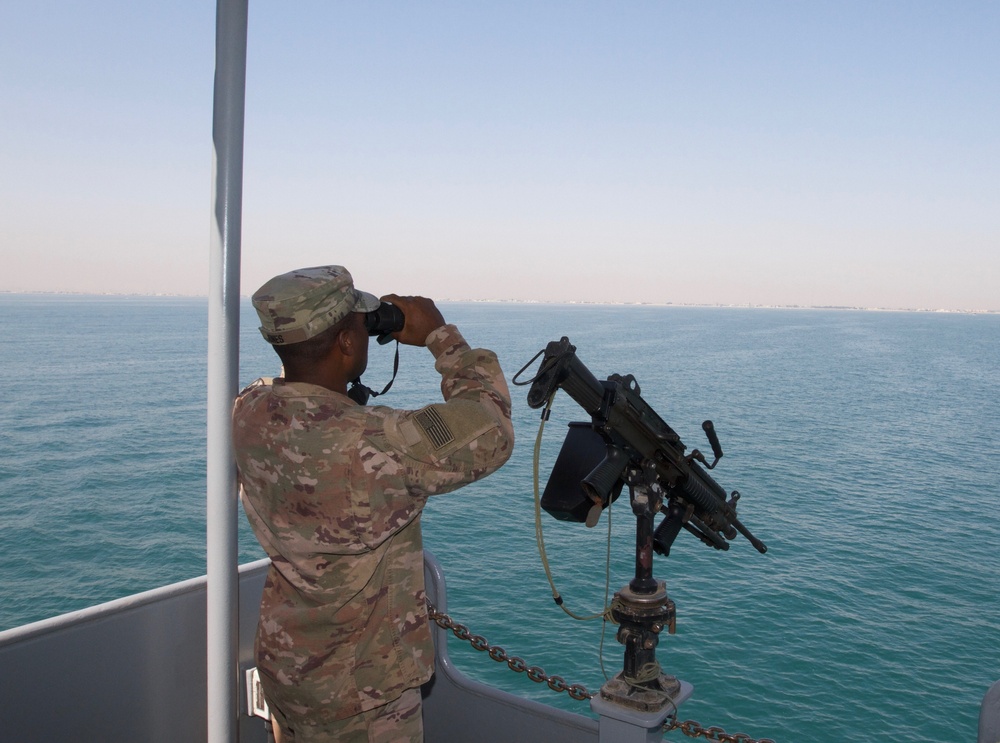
[697, 152]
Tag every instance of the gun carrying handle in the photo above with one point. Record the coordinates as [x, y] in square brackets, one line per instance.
[713, 440]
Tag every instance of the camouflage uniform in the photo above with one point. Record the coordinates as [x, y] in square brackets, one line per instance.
[334, 492]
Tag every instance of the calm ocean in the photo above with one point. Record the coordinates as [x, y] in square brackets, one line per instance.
[866, 446]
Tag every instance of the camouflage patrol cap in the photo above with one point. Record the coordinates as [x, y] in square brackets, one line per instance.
[299, 304]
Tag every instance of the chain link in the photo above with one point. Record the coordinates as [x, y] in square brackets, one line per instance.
[497, 653]
[579, 692]
[693, 729]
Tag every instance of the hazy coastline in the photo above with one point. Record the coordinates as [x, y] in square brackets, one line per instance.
[453, 300]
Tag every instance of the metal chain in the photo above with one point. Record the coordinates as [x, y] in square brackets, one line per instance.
[693, 729]
[579, 692]
[497, 653]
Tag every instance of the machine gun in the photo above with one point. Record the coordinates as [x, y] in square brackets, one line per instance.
[627, 443]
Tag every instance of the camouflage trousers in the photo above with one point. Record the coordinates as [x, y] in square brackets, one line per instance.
[399, 721]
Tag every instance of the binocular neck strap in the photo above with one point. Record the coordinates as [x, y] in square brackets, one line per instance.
[360, 393]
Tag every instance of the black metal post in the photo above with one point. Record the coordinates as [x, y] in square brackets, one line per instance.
[645, 504]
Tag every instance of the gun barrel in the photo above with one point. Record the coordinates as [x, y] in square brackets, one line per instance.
[757, 544]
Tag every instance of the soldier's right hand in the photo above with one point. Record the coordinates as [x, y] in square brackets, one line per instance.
[421, 317]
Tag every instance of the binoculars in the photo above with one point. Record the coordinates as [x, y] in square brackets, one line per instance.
[383, 321]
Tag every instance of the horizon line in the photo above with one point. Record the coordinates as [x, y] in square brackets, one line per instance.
[718, 305]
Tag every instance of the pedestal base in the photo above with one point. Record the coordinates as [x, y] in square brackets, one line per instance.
[637, 716]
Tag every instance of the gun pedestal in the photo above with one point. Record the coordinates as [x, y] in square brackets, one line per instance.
[641, 617]
[642, 694]
[634, 704]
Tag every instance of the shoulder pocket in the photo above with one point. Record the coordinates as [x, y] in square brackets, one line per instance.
[434, 433]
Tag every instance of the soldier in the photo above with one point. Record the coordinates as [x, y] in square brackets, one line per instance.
[334, 491]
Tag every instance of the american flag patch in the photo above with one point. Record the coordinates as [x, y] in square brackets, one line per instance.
[434, 426]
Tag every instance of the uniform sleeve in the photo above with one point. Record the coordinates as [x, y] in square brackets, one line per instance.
[464, 438]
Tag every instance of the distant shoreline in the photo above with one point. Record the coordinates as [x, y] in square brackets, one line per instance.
[567, 303]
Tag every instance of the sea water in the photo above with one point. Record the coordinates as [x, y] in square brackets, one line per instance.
[865, 446]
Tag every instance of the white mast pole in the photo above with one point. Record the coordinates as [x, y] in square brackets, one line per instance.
[223, 370]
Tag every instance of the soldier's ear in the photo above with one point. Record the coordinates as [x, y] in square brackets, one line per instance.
[345, 342]
[347, 338]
